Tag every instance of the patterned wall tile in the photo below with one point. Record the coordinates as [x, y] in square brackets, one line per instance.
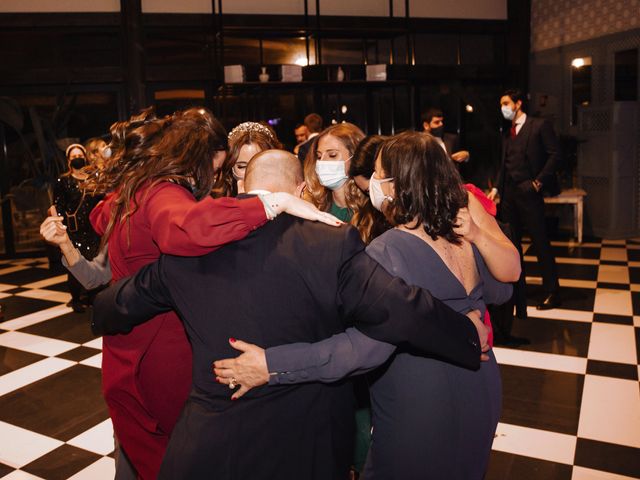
[561, 22]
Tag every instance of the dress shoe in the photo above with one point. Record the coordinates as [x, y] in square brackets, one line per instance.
[76, 305]
[551, 301]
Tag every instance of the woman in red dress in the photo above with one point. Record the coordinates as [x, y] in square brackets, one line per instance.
[161, 179]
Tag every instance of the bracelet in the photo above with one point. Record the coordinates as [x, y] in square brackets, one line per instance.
[271, 214]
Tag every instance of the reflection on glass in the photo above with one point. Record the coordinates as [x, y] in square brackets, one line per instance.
[580, 86]
[286, 51]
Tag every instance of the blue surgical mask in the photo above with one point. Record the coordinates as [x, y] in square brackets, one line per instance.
[331, 173]
[507, 113]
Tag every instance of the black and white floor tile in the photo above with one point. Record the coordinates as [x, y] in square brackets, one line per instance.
[571, 402]
[53, 421]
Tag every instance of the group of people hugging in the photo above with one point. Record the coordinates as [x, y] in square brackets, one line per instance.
[266, 318]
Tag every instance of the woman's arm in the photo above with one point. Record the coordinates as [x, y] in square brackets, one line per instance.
[481, 229]
[180, 225]
[344, 354]
[91, 274]
[494, 292]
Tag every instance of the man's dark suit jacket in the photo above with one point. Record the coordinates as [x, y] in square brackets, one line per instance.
[303, 149]
[451, 142]
[542, 154]
[289, 281]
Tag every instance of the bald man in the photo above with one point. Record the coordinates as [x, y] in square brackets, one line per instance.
[274, 171]
[289, 281]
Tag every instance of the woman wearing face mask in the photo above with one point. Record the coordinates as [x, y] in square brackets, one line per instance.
[326, 172]
[431, 419]
[370, 221]
[74, 202]
[160, 183]
[331, 189]
[245, 141]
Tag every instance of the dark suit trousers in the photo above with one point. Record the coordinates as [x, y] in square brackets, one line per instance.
[521, 206]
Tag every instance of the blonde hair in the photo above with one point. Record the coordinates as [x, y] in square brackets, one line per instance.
[350, 136]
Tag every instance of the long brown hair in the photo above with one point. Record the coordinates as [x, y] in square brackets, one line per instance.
[350, 136]
[246, 133]
[178, 149]
[428, 188]
[370, 222]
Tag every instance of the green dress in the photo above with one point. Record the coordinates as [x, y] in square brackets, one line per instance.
[363, 413]
[341, 213]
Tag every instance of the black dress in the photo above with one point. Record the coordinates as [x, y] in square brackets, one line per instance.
[74, 205]
[432, 419]
[71, 202]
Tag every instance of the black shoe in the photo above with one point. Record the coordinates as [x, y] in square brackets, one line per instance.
[76, 305]
[551, 301]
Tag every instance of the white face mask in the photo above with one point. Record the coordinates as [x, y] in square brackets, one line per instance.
[237, 173]
[507, 113]
[331, 173]
[376, 194]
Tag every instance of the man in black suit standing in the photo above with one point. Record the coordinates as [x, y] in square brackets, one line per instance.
[289, 281]
[433, 123]
[530, 158]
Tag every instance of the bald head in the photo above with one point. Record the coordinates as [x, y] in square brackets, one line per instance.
[275, 171]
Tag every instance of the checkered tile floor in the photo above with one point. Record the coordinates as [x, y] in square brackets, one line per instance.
[571, 403]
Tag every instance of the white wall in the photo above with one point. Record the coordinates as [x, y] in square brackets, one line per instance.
[176, 6]
[471, 9]
[465, 9]
[48, 6]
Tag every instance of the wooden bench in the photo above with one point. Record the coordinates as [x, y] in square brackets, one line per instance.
[575, 197]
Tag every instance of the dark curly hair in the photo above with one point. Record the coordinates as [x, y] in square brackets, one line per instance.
[428, 188]
[177, 148]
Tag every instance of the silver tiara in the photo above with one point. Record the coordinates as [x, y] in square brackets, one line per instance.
[250, 127]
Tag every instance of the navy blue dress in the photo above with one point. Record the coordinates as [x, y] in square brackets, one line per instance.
[431, 419]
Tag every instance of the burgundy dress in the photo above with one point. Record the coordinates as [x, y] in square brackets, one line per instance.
[146, 374]
[490, 207]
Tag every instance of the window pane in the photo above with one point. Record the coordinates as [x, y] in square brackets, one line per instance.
[342, 51]
[626, 75]
[284, 51]
[580, 86]
[477, 50]
[241, 51]
[435, 49]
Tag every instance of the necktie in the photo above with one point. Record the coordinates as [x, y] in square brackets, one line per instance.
[512, 132]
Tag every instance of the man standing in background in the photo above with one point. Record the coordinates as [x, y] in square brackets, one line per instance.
[433, 123]
[313, 122]
[302, 134]
[530, 158]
